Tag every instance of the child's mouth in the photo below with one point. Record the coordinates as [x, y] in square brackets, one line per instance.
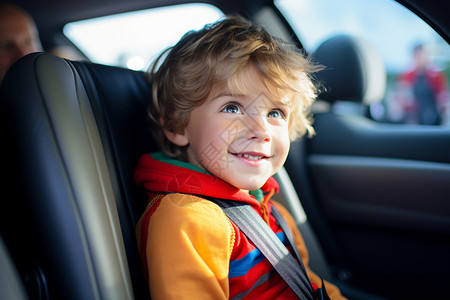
[252, 157]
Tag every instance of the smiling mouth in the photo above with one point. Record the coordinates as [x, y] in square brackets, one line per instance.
[248, 156]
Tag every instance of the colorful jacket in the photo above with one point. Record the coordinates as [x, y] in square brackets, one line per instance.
[191, 250]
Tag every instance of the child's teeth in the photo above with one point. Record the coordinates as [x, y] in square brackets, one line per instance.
[252, 157]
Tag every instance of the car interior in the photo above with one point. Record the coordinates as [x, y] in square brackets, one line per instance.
[371, 199]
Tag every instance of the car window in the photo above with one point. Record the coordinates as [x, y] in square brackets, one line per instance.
[395, 32]
[135, 39]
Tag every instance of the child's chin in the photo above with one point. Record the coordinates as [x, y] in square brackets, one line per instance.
[251, 186]
[245, 181]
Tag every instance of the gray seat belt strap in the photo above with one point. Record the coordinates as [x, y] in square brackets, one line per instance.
[287, 230]
[254, 227]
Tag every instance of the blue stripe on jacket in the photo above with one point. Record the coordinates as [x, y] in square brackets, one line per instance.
[240, 267]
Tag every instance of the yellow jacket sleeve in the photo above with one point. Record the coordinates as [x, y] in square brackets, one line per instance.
[332, 290]
[188, 249]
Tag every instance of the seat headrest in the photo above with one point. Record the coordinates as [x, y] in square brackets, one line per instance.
[353, 70]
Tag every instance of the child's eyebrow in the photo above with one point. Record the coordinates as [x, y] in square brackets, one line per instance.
[226, 94]
[279, 103]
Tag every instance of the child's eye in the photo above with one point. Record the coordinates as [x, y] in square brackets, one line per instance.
[232, 109]
[276, 113]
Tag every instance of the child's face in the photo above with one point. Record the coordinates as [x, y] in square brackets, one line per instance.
[242, 138]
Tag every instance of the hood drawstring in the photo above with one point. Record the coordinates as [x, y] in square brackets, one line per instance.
[264, 206]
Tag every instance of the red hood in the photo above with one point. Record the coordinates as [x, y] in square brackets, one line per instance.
[158, 176]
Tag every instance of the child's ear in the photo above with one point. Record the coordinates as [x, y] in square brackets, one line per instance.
[178, 138]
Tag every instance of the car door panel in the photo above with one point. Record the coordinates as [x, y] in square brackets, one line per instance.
[380, 205]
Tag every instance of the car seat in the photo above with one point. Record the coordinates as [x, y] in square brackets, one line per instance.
[73, 132]
[353, 71]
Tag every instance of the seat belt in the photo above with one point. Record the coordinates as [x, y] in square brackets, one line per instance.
[321, 293]
[254, 227]
[287, 230]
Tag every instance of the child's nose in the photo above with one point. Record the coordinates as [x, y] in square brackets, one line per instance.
[258, 128]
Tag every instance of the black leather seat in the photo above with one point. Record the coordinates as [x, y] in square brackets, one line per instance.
[73, 132]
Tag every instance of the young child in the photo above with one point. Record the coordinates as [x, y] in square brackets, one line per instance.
[227, 101]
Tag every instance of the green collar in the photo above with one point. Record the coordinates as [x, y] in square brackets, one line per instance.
[258, 194]
[172, 161]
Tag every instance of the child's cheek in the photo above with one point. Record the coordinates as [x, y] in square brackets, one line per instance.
[214, 155]
[232, 136]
